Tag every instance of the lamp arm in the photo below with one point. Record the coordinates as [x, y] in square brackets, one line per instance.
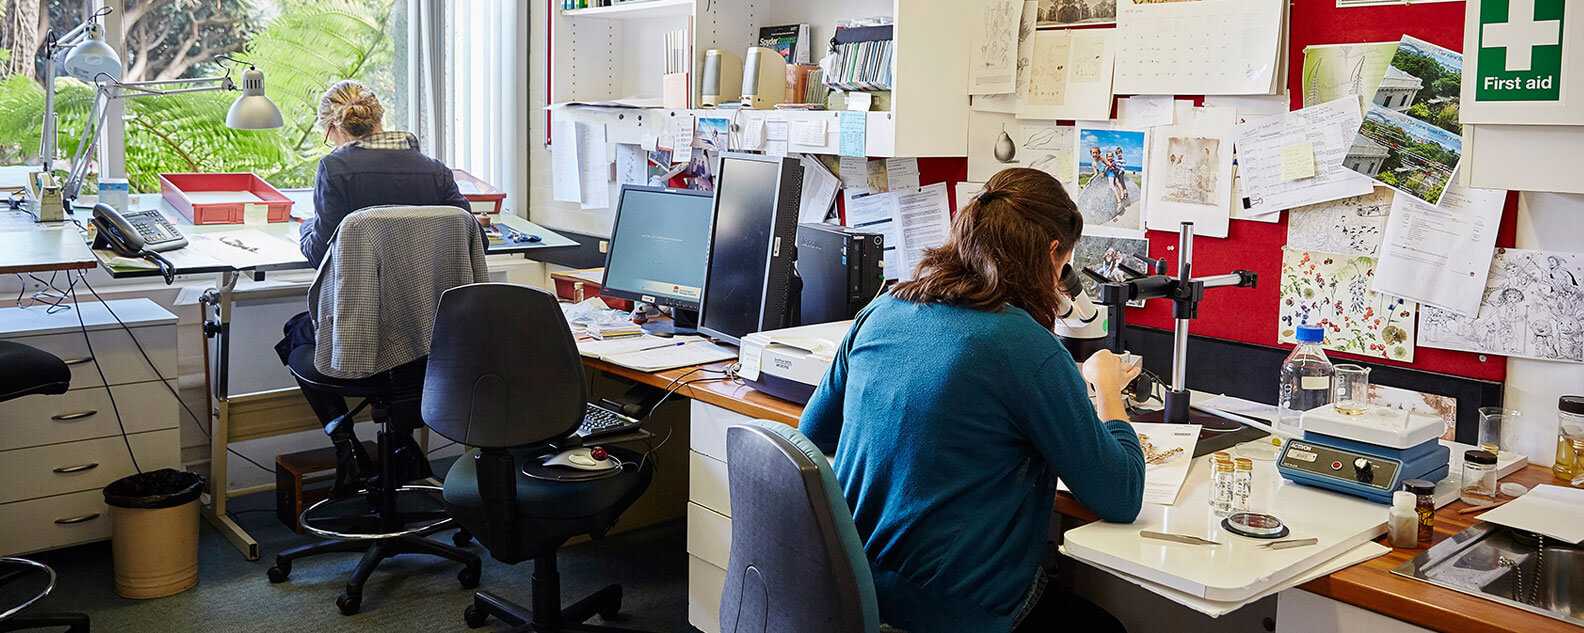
[133, 89]
[85, 144]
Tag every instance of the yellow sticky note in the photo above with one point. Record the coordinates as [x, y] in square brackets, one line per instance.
[1297, 161]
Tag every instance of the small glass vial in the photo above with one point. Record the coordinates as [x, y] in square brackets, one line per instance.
[1479, 478]
[1424, 505]
[1402, 523]
[1223, 487]
[1242, 483]
[1570, 437]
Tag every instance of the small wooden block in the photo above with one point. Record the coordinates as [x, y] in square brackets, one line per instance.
[290, 471]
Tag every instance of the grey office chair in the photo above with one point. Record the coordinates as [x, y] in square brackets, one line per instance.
[505, 377]
[797, 564]
[25, 371]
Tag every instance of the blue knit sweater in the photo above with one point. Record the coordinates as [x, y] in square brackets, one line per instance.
[950, 426]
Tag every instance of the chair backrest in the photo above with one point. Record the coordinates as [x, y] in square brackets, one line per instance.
[797, 564]
[373, 301]
[503, 369]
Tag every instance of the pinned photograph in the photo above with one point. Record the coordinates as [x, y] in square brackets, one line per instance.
[1424, 82]
[1111, 180]
[1074, 12]
[1404, 153]
[711, 133]
[1192, 170]
[1111, 258]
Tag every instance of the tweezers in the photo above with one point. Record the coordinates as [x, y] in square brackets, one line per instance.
[1291, 543]
[1178, 538]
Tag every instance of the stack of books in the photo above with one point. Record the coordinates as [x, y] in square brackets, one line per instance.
[609, 331]
[864, 58]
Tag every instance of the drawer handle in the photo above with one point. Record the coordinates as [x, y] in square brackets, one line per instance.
[78, 519]
[68, 417]
[64, 470]
[79, 361]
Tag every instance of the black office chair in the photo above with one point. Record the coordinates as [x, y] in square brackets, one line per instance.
[392, 516]
[797, 564]
[24, 371]
[505, 377]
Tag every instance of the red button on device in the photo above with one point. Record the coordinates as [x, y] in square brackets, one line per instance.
[1336, 465]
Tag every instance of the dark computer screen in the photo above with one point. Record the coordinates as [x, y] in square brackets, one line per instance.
[660, 246]
[745, 207]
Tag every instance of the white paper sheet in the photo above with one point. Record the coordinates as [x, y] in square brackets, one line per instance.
[777, 134]
[925, 217]
[632, 165]
[1248, 107]
[1070, 76]
[1531, 308]
[902, 173]
[854, 174]
[1222, 47]
[1008, 102]
[221, 197]
[1145, 111]
[1351, 226]
[964, 191]
[753, 133]
[992, 144]
[1329, 127]
[681, 139]
[244, 248]
[1164, 478]
[992, 47]
[819, 190]
[809, 132]
[593, 165]
[876, 213]
[1440, 256]
[565, 177]
[1190, 173]
[1549, 509]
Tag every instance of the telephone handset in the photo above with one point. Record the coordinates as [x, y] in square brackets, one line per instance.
[138, 234]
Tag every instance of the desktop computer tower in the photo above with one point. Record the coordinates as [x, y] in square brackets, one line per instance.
[842, 271]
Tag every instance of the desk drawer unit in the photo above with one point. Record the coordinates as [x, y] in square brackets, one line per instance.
[51, 522]
[705, 583]
[85, 414]
[117, 354]
[56, 469]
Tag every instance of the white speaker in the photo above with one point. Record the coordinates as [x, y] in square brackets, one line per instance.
[718, 64]
[764, 79]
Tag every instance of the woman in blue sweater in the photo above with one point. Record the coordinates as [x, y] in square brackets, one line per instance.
[952, 409]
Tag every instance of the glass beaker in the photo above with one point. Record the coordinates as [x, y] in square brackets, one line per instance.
[1491, 422]
[1351, 383]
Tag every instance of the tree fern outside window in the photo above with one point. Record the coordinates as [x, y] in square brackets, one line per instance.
[301, 46]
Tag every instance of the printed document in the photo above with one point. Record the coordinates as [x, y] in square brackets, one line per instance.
[1329, 127]
[1440, 255]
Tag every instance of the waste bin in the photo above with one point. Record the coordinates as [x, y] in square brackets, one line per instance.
[154, 532]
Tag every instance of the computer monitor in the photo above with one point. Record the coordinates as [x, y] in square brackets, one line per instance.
[749, 285]
[658, 252]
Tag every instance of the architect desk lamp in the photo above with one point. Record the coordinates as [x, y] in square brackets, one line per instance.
[83, 54]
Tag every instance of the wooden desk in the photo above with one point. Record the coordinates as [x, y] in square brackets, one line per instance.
[1370, 585]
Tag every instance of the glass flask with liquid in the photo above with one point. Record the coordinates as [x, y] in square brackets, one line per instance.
[1305, 379]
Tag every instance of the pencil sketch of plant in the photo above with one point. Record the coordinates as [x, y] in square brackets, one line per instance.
[996, 49]
[1351, 226]
[1533, 307]
[1191, 170]
[1333, 291]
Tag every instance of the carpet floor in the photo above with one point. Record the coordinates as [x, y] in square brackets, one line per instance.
[407, 593]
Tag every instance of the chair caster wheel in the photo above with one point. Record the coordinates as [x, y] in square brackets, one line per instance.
[469, 578]
[474, 616]
[278, 573]
[461, 538]
[349, 603]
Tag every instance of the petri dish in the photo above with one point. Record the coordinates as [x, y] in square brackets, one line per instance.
[1265, 449]
[1255, 525]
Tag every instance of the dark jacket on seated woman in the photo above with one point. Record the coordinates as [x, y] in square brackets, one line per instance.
[379, 169]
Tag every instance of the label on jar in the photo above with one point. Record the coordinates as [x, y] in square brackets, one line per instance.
[1314, 382]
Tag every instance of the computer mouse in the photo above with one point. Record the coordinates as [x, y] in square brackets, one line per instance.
[532, 238]
[582, 458]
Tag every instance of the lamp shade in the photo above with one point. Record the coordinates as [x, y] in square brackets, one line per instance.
[253, 110]
[92, 58]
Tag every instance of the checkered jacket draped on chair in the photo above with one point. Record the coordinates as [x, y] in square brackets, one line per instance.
[373, 301]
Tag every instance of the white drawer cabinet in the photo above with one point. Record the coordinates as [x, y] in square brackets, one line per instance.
[705, 582]
[709, 483]
[52, 522]
[708, 535]
[57, 452]
[85, 414]
[56, 469]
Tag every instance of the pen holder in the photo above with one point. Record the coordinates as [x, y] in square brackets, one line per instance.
[674, 91]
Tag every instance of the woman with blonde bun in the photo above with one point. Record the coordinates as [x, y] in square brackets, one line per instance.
[368, 167]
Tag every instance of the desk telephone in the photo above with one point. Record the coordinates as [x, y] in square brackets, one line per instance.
[138, 234]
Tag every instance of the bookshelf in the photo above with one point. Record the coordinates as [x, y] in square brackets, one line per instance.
[613, 52]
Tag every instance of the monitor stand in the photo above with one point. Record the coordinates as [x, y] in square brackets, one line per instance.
[682, 323]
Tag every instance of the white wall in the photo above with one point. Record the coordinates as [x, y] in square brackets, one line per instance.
[1546, 221]
[542, 208]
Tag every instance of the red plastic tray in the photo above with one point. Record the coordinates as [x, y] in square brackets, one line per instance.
[176, 187]
[485, 197]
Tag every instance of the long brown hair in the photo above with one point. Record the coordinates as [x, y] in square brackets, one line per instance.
[999, 249]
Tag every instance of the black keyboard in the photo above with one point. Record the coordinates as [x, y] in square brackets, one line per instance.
[601, 422]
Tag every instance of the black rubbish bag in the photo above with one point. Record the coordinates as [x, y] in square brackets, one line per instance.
[163, 488]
